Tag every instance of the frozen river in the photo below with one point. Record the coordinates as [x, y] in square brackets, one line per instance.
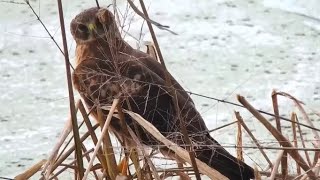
[223, 48]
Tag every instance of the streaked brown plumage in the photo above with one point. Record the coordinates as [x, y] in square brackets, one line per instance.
[108, 68]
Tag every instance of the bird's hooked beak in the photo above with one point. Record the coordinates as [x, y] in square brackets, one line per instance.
[92, 27]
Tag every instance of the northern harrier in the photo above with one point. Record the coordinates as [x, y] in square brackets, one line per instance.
[108, 68]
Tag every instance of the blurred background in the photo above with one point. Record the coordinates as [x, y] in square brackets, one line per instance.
[223, 48]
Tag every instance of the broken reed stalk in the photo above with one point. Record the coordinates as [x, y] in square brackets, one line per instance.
[68, 166]
[239, 118]
[284, 160]
[182, 153]
[295, 141]
[31, 171]
[315, 169]
[284, 142]
[139, 145]
[108, 153]
[239, 143]
[92, 134]
[302, 141]
[75, 129]
[86, 155]
[276, 165]
[133, 152]
[103, 132]
[257, 174]
[306, 118]
[66, 154]
[172, 93]
[138, 137]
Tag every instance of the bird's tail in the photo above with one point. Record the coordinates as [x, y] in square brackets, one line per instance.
[218, 158]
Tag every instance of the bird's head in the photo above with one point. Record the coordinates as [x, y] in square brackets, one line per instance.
[92, 24]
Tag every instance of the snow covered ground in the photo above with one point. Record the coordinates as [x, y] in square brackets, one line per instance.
[223, 48]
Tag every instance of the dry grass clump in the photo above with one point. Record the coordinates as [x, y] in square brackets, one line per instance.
[129, 159]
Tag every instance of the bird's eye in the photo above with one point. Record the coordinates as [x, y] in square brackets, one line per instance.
[82, 28]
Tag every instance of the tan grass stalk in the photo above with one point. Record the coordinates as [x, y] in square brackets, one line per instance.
[203, 168]
[284, 160]
[128, 145]
[295, 141]
[107, 145]
[104, 131]
[284, 142]
[239, 118]
[31, 171]
[276, 165]
[69, 165]
[86, 155]
[315, 169]
[239, 143]
[139, 145]
[302, 141]
[135, 160]
[66, 154]
[257, 174]
[92, 134]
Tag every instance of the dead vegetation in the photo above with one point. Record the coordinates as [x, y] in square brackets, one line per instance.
[132, 160]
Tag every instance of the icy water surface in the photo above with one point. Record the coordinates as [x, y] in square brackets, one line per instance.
[223, 48]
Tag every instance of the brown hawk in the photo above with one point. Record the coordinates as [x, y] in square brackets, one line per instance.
[107, 68]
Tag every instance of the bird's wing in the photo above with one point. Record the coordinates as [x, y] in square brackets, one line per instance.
[95, 80]
[152, 64]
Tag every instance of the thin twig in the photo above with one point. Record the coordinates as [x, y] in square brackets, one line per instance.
[44, 26]
[97, 3]
[260, 111]
[223, 126]
[145, 17]
[11, 2]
